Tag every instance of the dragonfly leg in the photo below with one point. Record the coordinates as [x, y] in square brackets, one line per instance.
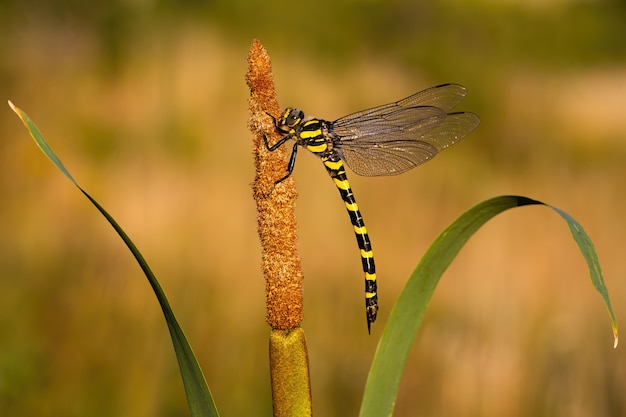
[290, 165]
[292, 158]
[277, 144]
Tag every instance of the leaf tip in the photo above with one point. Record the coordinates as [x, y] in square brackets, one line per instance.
[17, 111]
[615, 338]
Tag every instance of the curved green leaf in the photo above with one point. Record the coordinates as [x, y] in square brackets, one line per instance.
[595, 272]
[198, 393]
[406, 316]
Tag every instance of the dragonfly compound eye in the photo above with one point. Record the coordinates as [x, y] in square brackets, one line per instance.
[294, 117]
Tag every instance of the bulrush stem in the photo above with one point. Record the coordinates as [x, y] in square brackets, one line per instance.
[291, 388]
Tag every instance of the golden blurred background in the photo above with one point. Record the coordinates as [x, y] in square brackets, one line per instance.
[145, 102]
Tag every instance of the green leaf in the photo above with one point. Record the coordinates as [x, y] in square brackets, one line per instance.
[595, 272]
[198, 394]
[407, 314]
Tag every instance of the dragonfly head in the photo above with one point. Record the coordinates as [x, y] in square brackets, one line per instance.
[290, 118]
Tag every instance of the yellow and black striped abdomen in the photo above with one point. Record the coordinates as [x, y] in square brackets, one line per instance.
[336, 169]
[313, 135]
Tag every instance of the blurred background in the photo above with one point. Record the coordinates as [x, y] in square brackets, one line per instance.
[146, 104]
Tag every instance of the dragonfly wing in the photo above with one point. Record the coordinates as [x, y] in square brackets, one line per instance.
[387, 158]
[444, 97]
[396, 122]
[379, 148]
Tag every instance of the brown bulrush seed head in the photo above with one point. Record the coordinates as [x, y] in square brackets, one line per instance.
[275, 204]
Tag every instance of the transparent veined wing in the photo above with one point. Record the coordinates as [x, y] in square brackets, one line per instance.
[395, 137]
[444, 97]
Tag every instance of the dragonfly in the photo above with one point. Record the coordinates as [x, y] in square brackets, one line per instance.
[384, 140]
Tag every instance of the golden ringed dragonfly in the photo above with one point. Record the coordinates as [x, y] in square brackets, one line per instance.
[384, 140]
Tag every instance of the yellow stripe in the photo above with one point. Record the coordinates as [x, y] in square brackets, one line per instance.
[370, 277]
[352, 207]
[286, 113]
[370, 295]
[310, 122]
[305, 134]
[360, 230]
[344, 185]
[366, 255]
[316, 148]
[334, 165]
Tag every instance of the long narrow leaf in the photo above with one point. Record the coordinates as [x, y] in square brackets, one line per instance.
[595, 272]
[198, 394]
[407, 314]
